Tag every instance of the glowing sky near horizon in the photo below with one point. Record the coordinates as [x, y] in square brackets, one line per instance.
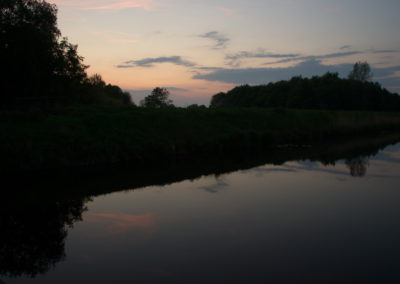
[199, 48]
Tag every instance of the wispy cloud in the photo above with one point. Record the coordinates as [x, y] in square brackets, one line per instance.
[386, 75]
[106, 4]
[316, 57]
[345, 47]
[333, 55]
[234, 59]
[264, 75]
[150, 62]
[382, 51]
[220, 40]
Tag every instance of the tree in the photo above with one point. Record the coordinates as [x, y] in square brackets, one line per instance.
[98, 92]
[196, 106]
[68, 63]
[47, 228]
[319, 92]
[158, 98]
[361, 72]
[358, 166]
[34, 61]
[96, 80]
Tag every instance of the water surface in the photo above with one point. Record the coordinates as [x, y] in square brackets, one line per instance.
[302, 221]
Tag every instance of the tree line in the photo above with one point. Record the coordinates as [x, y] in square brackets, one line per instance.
[39, 66]
[329, 92]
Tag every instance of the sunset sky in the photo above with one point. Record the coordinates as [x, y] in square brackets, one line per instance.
[198, 48]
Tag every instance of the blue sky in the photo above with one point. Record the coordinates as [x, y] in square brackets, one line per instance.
[199, 48]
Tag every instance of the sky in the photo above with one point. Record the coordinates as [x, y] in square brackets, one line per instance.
[196, 48]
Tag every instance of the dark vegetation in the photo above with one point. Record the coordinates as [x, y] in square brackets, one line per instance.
[159, 98]
[87, 136]
[327, 92]
[41, 69]
[53, 115]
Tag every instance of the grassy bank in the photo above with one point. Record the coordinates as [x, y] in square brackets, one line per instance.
[85, 136]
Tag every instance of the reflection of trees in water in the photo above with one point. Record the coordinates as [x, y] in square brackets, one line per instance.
[358, 166]
[32, 237]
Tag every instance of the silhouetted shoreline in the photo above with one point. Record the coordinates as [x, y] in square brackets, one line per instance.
[87, 137]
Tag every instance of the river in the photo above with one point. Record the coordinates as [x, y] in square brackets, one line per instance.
[306, 219]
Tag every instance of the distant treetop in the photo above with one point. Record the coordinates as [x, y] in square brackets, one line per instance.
[158, 98]
[319, 92]
[361, 72]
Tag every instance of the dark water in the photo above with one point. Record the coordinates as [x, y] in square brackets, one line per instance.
[331, 217]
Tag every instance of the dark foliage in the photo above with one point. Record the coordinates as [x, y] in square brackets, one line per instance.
[85, 136]
[361, 72]
[96, 91]
[159, 98]
[320, 92]
[35, 62]
[39, 67]
[33, 237]
[196, 106]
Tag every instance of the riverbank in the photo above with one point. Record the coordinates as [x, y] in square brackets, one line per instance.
[90, 136]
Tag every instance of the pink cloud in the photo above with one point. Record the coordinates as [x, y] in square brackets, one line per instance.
[119, 5]
[106, 4]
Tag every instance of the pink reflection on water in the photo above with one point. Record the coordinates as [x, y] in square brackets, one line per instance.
[121, 223]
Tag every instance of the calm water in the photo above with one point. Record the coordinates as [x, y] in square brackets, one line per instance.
[297, 222]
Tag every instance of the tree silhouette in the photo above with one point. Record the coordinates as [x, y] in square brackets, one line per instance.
[69, 64]
[28, 42]
[98, 92]
[38, 66]
[318, 92]
[32, 238]
[35, 62]
[158, 98]
[358, 166]
[96, 80]
[30, 50]
[361, 72]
